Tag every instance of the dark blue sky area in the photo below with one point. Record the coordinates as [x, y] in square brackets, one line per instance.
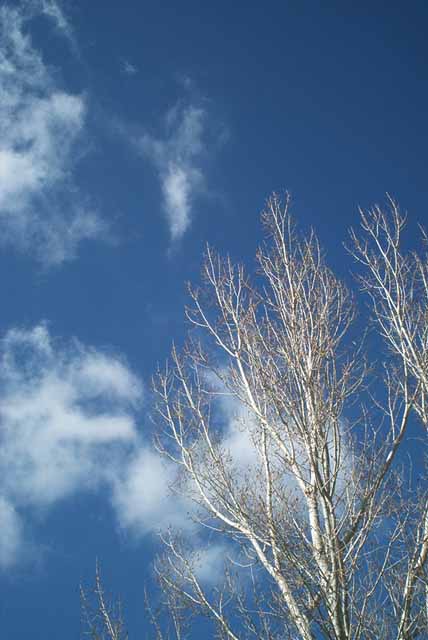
[214, 106]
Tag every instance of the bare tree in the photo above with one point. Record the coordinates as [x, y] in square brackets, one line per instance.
[324, 523]
[101, 618]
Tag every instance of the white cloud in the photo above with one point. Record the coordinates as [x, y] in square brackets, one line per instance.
[40, 127]
[143, 497]
[67, 424]
[178, 159]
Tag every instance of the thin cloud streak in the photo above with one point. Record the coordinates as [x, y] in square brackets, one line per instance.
[178, 159]
[53, 10]
[11, 540]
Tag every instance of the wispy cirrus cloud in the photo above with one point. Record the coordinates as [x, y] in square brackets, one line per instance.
[41, 129]
[178, 158]
[53, 9]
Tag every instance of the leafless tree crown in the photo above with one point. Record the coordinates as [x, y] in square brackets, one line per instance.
[323, 526]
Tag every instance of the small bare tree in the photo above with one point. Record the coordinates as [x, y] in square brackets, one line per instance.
[101, 618]
[324, 521]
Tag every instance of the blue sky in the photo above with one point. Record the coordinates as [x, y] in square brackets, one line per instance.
[133, 133]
